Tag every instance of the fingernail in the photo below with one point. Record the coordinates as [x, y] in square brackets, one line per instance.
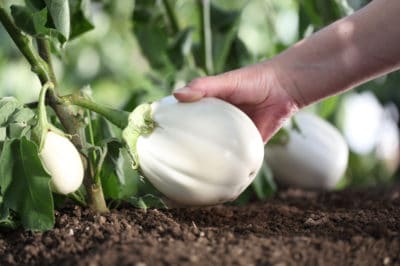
[187, 94]
[182, 90]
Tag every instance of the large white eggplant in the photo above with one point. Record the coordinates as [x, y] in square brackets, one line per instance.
[315, 156]
[199, 153]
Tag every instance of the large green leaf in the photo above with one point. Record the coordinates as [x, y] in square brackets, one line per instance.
[27, 186]
[59, 12]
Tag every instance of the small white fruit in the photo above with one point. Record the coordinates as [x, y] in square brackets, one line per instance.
[62, 161]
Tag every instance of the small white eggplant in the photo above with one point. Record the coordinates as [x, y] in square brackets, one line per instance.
[62, 161]
[199, 153]
[315, 156]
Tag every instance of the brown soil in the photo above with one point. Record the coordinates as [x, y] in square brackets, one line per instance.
[351, 227]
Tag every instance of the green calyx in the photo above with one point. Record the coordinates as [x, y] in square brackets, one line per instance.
[43, 127]
[140, 123]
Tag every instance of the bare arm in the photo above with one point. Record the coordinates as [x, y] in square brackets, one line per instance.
[350, 51]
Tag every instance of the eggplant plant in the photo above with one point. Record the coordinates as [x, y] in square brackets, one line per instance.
[51, 150]
[65, 146]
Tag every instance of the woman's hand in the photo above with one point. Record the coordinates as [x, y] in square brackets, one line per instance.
[254, 89]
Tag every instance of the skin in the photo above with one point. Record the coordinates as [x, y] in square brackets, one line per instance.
[349, 52]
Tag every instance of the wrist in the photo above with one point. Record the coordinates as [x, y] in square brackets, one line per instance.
[283, 84]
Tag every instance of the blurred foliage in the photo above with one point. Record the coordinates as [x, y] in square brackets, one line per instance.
[141, 50]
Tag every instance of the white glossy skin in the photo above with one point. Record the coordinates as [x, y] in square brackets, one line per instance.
[63, 162]
[316, 158]
[201, 153]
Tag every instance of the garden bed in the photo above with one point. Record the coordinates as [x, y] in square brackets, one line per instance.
[358, 227]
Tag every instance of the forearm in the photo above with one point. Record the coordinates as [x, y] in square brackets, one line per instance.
[348, 52]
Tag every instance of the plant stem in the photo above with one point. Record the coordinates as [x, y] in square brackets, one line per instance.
[98, 202]
[78, 198]
[117, 117]
[206, 36]
[173, 21]
[44, 52]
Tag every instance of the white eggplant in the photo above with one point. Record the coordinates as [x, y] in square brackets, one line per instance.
[199, 153]
[62, 161]
[314, 158]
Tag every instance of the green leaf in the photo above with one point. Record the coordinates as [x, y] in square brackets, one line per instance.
[80, 13]
[21, 122]
[152, 34]
[6, 165]
[24, 115]
[264, 185]
[3, 134]
[29, 192]
[64, 19]
[8, 221]
[244, 198]
[225, 26]
[280, 138]
[35, 4]
[321, 13]
[119, 180]
[180, 48]
[8, 105]
[59, 12]
[327, 107]
[147, 201]
[34, 22]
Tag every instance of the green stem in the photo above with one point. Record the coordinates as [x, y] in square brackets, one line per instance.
[206, 36]
[98, 202]
[100, 163]
[42, 103]
[44, 52]
[117, 117]
[78, 198]
[91, 133]
[171, 16]
[97, 189]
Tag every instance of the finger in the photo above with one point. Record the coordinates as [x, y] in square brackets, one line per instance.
[186, 94]
[220, 86]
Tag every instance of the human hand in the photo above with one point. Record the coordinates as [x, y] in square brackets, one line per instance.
[255, 89]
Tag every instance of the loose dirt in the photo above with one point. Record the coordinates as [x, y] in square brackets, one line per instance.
[350, 227]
